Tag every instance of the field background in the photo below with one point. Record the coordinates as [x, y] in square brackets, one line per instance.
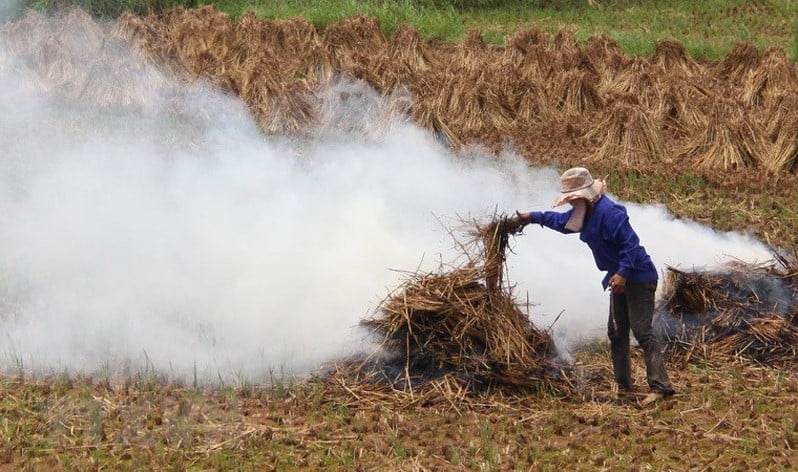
[729, 413]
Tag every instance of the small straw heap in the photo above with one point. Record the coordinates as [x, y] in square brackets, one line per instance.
[747, 311]
[463, 324]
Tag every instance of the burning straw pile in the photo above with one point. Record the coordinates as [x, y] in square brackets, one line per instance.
[463, 325]
[744, 310]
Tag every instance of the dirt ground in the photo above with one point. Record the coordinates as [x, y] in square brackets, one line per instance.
[726, 415]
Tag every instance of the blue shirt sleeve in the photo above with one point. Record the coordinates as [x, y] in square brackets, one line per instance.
[552, 219]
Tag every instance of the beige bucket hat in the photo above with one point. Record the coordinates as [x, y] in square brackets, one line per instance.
[576, 183]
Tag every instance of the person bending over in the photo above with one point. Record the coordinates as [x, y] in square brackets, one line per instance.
[630, 276]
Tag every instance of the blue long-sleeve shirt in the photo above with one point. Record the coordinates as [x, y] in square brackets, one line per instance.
[614, 243]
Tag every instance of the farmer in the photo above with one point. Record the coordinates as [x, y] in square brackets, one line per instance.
[631, 275]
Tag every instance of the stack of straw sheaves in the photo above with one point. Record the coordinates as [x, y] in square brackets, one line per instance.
[743, 310]
[532, 94]
[463, 323]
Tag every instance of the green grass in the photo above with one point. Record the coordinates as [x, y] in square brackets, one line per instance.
[432, 22]
[707, 29]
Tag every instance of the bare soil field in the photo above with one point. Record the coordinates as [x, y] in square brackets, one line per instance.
[728, 415]
[715, 142]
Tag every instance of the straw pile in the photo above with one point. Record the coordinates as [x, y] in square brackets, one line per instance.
[627, 134]
[741, 60]
[729, 139]
[682, 108]
[606, 54]
[742, 310]
[463, 324]
[576, 93]
[671, 57]
[780, 153]
[529, 51]
[773, 75]
[637, 79]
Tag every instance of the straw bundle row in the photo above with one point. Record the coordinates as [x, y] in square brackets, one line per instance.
[533, 87]
[75, 60]
[17, 36]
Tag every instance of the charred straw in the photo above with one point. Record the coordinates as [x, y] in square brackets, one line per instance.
[742, 310]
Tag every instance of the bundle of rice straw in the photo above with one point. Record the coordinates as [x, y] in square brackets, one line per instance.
[607, 55]
[729, 140]
[742, 310]
[348, 39]
[575, 92]
[629, 135]
[739, 62]
[682, 107]
[407, 51]
[775, 75]
[531, 53]
[462, 324]
[636, 78]
[672, 59]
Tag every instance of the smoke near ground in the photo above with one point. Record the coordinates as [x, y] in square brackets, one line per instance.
[175, 236]
[8, 8]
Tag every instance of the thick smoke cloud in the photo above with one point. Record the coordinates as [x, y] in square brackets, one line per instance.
[190, 242]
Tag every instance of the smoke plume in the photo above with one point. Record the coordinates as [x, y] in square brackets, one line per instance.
[174, 235]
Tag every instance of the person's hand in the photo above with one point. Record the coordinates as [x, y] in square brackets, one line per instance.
[617, 284]
[517, 222]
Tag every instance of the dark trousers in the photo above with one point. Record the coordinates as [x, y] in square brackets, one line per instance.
[634, 310]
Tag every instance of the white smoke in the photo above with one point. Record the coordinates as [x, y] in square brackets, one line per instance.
[8, 8]
[137, 239]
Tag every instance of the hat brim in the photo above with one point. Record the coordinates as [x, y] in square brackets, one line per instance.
[590, 193]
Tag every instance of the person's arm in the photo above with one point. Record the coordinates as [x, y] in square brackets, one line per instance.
[552, 219]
